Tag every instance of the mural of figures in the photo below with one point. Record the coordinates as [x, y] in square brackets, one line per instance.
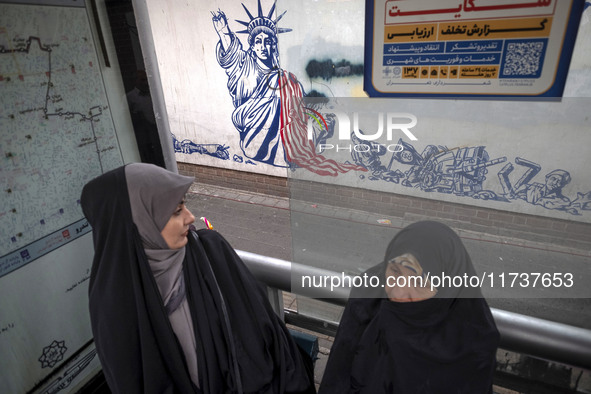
[268, 112]
[189, 147]
[547, 194]
[463, 171]
[266, 84]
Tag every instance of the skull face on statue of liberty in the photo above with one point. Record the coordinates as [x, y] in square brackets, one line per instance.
[263, 45]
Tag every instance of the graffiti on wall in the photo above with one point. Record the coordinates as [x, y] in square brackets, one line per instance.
[273, 126]
[268, 114]
[547, 194]
[463, 172]
[189, 147]
[460, 171]
[327, 69]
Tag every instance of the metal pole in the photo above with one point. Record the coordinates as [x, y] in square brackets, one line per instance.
[140, 9]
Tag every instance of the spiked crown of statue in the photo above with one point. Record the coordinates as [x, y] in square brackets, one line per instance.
[262, 21]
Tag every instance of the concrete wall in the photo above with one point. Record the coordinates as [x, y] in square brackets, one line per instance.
[324, 51]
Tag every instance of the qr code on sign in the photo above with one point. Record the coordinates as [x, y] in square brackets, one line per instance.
[523, 59]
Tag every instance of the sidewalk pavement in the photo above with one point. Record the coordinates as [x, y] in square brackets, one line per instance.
[251, 222]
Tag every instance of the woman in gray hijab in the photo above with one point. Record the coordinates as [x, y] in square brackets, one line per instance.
[173, 309]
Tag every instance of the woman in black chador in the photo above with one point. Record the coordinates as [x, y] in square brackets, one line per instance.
[415, 335]
[174, 310]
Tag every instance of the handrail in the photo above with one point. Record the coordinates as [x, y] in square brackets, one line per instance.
[536, 337]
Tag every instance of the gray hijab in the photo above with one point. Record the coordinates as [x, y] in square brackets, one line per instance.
[154, 194]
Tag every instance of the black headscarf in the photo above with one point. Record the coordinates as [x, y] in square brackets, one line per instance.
[242, 346]
[444, 344]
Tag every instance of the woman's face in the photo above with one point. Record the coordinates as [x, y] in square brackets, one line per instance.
[177, 228]
[405, 281]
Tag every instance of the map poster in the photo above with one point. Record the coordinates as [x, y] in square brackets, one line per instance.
[56, 128]
[456, 48]
[57, 132]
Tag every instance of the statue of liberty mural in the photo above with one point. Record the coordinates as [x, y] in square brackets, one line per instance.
[268, 112]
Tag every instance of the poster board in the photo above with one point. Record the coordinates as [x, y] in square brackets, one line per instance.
[454, 48]
[57, 131]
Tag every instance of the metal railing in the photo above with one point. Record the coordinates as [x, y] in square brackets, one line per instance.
[519, 333]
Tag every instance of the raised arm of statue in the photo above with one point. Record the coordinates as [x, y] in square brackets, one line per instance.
[220, 23]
